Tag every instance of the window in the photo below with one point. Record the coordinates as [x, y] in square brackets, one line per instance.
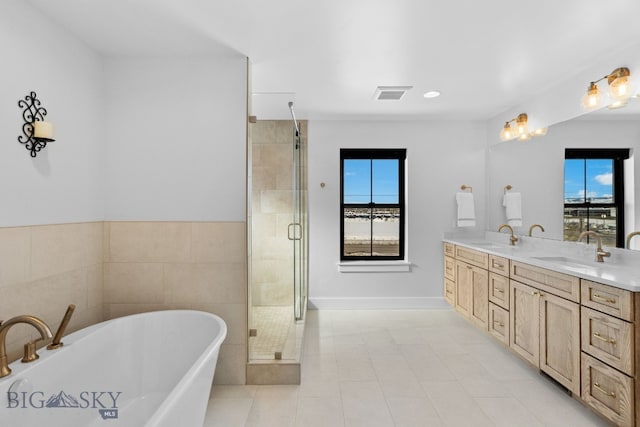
[372, 204]
[594, 194]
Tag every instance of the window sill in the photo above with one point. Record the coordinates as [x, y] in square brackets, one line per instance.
[374, 266]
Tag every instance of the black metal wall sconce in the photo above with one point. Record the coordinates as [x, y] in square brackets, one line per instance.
[36, 132]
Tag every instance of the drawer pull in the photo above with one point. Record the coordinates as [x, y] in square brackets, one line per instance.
[605, 339]
[449, 292]
[499, 323]
[604, 299]
[469, 267]
[601, 390]
[499, 290]
[535, 293]
[498, 265]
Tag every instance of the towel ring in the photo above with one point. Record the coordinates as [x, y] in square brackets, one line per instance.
[507, 188]
[466, 187]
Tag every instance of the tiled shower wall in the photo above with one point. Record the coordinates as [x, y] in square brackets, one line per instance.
[147, 266]
[271, 210]
[45, 268]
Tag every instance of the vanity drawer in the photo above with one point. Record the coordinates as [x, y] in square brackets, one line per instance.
[450, 291]
[607, 391]
[608, 338]
[499, 265]
[477, 258]
[499, 323]
[559, 284]
[499, 290]
[450, 268]
[610, 300]
[449, 249]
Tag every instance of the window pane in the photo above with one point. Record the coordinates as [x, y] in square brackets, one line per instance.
[602, 220]
[357, 181]
[357, 232]
[599, 178]
[574, 181]
[386, 232]
[385, 181]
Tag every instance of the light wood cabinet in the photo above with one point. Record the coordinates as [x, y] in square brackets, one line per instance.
[560, 340]
[480, 297]
[583, 334]
[450, 291]
[499, 290]
[559, 284]
[524, 327]
[499, 323]
[464, 279]
[608, 391]
[545, 331]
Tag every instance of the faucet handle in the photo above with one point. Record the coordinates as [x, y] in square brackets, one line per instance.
[30, 351]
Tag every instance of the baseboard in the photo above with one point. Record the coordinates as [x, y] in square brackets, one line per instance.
[357, 303]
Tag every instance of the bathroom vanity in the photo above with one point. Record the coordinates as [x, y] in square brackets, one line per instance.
[576, 320]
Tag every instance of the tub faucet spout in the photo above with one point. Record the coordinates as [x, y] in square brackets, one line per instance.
[42, 328]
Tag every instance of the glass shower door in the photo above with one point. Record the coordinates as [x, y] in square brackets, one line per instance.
[298, 226]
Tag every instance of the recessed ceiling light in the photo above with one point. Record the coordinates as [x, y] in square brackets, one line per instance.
[432, 94]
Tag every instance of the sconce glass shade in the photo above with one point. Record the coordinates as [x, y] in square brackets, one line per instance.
[619, 85]
[524, 137]
[522, 127]
[591, 99]
[43, 131]
[539, 132]
[507, 133]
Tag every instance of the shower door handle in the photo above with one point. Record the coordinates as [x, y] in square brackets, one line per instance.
[297, 231]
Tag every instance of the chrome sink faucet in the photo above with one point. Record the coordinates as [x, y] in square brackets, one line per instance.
[29, 354]
[513, 239]
[600, 253]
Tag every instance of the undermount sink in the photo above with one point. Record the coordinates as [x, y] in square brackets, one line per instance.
[567, 262]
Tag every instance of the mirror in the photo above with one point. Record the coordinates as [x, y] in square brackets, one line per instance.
[535, 168]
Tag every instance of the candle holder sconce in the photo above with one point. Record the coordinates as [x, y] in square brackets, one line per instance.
[36, 132]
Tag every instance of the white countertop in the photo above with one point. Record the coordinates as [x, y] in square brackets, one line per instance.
[621, 270]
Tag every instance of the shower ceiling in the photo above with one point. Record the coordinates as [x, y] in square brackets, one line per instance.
[483, 56]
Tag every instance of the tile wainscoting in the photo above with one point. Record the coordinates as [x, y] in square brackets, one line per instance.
[112, 269]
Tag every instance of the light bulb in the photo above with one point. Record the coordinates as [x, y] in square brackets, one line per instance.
[619, 86]
[507, 133]
[521, 124]
[524, 137]
[591, 99]
[539, 132]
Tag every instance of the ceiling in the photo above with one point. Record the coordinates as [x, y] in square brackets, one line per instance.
[330, 55]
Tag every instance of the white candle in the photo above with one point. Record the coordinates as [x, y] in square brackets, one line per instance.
[43, 130]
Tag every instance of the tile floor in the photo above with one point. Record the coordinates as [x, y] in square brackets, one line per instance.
[401, 368]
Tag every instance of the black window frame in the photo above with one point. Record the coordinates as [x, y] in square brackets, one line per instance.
[618, 156]
[399, 154]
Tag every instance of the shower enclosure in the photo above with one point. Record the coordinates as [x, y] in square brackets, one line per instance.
[278, 242]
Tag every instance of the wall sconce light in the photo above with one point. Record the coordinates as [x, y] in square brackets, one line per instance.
[36, 132]
[520, 129]
[619, 90]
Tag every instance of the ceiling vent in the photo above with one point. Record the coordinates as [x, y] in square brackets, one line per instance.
[393, 93]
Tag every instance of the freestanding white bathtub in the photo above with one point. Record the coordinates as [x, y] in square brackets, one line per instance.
[152, 369]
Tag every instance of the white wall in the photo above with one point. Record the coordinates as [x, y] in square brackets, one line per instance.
[64, 182]
[536, 169]
[176, 141]
[440, 157]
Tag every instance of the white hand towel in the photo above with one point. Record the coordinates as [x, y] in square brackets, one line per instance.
[512, 203]
[466, 210]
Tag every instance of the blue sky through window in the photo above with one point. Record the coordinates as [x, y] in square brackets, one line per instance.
[367, 180]
[591, 179]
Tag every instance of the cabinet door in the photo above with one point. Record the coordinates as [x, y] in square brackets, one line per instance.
[450, 291]
[463, 288]
[524, 326]
[480, 297]
[560, 340]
